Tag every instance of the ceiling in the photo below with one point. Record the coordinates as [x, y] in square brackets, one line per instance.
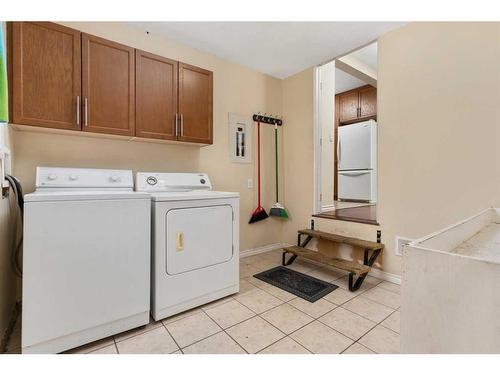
[279, 49]
[367, 55]
[345, 81]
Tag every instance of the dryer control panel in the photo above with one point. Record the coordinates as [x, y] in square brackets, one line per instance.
[146, 181]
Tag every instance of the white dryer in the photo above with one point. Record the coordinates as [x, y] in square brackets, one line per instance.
[195, 241]
[86, 261]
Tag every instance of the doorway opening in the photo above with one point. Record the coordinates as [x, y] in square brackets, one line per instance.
[347, 130]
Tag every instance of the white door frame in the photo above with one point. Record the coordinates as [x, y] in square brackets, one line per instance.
[317, 143]
[317, 206]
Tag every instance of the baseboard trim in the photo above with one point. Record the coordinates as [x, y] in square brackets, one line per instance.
[386, 276]
[261, 249]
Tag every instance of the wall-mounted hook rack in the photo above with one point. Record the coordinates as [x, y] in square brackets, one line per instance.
[264, 119]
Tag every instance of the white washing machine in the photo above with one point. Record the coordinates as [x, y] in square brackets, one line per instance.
[195, 241]
[86, 258]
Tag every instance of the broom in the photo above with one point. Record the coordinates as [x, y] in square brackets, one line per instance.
[259, 213]
[277, 209]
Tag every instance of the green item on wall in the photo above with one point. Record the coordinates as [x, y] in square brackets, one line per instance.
[4, 97]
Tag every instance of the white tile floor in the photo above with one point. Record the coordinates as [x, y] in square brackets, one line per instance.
[265, 319]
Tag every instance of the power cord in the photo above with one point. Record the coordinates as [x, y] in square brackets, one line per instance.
[18, 218]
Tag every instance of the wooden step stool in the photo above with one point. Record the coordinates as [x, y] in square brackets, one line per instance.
[354, 268]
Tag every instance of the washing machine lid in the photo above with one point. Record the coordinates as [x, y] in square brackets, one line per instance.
[81, 195]
[191, 195]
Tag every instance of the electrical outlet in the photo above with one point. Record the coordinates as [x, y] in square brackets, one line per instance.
[400, 242]
[250, 183]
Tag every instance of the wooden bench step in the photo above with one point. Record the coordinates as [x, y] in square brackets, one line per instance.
[346, 265]
[369, 245]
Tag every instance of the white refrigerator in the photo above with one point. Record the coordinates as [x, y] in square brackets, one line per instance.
[357, 162]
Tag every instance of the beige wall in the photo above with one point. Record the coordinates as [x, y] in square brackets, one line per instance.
[438, 115]
[299, 154]
[236, 89]
[439, 89]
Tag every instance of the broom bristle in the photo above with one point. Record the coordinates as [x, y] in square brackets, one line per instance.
[274, 211]
[278, 210]
[284, 214]
[258, 215]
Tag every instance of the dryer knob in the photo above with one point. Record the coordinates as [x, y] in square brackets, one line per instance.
[73, 177]
[115, 178]
[52, 176]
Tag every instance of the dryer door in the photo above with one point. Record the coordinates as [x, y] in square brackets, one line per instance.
[198, 237]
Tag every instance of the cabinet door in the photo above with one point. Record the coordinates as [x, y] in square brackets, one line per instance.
[156, 99]
[108, 82]
[348, 103]
[46, 75]
[195, 104]
[368, 101]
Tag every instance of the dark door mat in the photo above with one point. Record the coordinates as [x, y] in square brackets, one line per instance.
[304, 286]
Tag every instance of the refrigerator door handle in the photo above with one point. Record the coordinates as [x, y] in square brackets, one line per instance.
[353, 173]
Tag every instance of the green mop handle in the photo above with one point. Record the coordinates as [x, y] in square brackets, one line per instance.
[276, 157]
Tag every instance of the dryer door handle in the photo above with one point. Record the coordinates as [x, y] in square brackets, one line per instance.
[179, 241]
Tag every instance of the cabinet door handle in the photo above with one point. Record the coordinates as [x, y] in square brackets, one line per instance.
[78, 110]
[86, 110]
[182, 125]
[176, 125]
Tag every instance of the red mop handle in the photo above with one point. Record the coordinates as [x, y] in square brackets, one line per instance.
[258, 160]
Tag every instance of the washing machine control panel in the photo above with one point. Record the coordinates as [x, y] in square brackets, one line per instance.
[172, 181]
[73, 178]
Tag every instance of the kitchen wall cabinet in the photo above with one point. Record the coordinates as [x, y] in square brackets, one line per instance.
[367, 102]
[349, 105]
[61, 78]
[108, 86]
[357, 104]
[156, 101]
[195, 104]
[46, 75]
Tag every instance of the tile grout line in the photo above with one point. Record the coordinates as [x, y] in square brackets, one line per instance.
[197, 341]
[172, 336]
[116, 346]
[224, 330]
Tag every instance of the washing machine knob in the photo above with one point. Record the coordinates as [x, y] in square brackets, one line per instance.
[52, 176]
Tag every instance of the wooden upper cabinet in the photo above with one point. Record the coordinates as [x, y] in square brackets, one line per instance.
[349, 103]
[108, 86]
[156, 99]
[195, 104]
[62, 78]
[45, 73]
[357, 104]
[367, 101]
